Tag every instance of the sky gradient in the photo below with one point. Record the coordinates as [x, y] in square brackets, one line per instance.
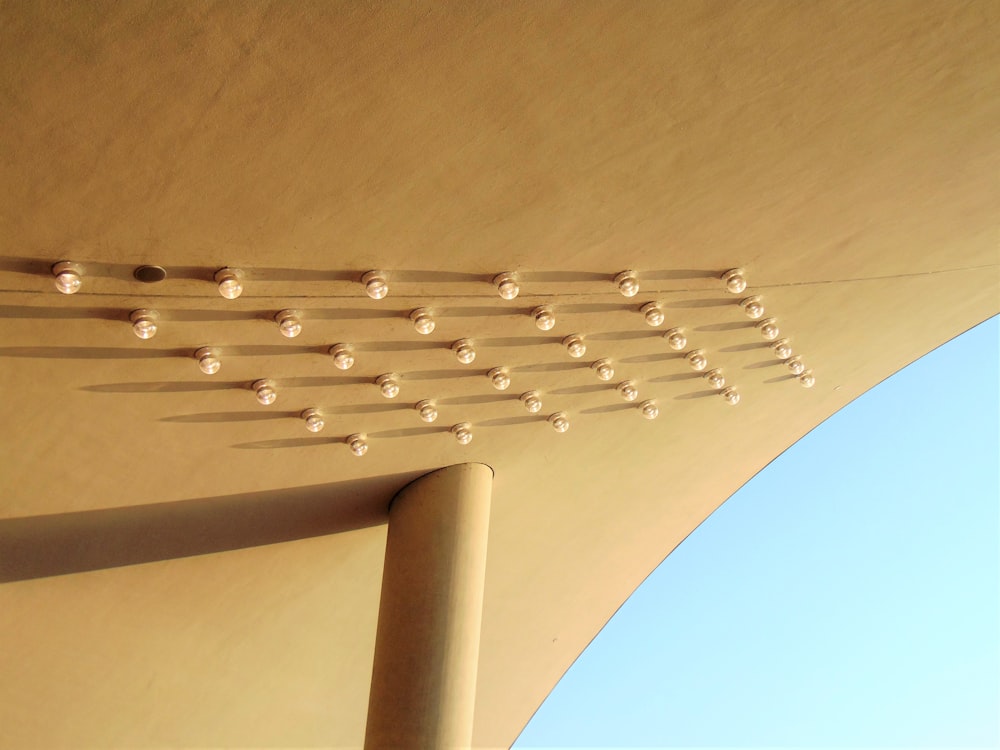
[847, 596]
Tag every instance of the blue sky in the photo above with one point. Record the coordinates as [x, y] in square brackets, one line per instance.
[847, 596]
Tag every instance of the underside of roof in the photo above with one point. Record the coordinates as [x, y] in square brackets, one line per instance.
[181, 565]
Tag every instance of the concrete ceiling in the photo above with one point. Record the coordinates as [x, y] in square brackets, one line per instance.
[184, 567]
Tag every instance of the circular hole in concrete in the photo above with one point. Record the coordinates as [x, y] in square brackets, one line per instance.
[150, 274]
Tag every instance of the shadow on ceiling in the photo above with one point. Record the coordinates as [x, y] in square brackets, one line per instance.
[763, 364]
[718, 327]
[752, 347]
[63, 543]
[231, 416]
[609, 409]
[695, 394]
[124, 271]
[237, 350]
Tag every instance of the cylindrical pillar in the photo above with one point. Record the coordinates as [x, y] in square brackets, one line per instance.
[427, 644]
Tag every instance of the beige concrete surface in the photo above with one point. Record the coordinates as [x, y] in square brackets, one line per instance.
[183, 567]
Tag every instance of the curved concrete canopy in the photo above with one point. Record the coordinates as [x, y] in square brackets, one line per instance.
[185, 567]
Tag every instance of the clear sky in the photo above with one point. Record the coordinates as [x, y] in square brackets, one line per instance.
[847, 596]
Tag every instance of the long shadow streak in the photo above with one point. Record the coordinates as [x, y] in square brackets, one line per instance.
[51, 545]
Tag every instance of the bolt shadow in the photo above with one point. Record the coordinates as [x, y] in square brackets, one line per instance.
[409, 432]
[721, 327]
[622, 335]
[519, 341]
[296, 274]
[442, 374]
[609, 409]
[267, 350]
[218, 417]
[474, 400]
[675, 378]
[343, 313]
[652, 358]
[745, 347]
[509, 421]
[593, 307]
[763, 364]
[159, 387]
[695, 394]
[433, 277]
[552, 367]
[94, 352]
[579, 390]
[321, 381]
[212, 316]
[23, 312]
[360, 409]
[680, 274]
[399, 346]
[278, 444]
[452, 311]
[562, 277]
[29, 266]
[691, 304]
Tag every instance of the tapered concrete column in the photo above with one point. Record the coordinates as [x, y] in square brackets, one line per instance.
[427, 645]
